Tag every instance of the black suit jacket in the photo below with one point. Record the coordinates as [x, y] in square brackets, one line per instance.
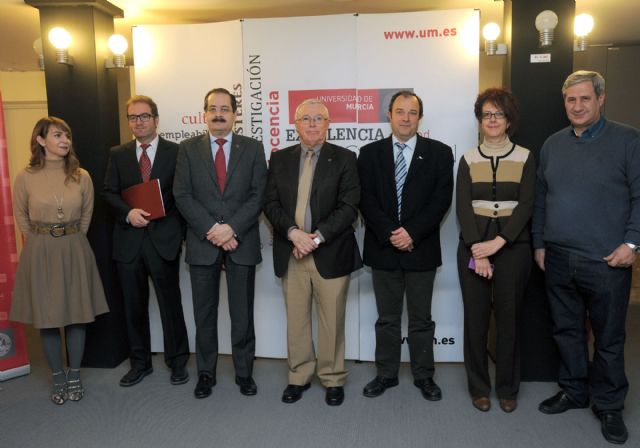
[334, 196]
[426, 197]
[123, 171]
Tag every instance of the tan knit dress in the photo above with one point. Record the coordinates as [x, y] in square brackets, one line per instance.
[57, 281]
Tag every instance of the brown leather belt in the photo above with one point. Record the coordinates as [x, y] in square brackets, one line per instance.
[55, 230]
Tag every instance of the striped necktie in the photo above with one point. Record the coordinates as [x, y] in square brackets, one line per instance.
[401, 174]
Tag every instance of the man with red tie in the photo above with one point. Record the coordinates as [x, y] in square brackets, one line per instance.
[144, 248]
[219, 186]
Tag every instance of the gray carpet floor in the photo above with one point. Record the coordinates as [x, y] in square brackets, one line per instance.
[157, 414]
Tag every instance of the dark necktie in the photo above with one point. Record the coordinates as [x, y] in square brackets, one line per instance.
[221, 165]
[145, 163]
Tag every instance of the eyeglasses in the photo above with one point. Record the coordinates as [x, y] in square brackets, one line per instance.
[142, 117]
[306, 119]
[489, 115]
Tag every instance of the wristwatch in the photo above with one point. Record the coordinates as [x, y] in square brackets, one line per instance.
[634, 247]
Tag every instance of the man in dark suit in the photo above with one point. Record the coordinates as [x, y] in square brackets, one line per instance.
[311, 200]
[407, 185]
[219, 188]
[143, 248]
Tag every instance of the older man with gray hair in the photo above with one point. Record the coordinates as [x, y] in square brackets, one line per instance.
[586, 235]
[312, 199]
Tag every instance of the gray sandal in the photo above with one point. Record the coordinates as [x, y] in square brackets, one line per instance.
[59, 389]
[74, 387]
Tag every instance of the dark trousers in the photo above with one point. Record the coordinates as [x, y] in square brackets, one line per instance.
[390, 288]
[578, 288]
[205, 283]
[503, 294]
[135, 290]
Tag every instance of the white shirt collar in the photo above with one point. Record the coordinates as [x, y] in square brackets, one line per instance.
[153, 144]
[227, 137]
[411, 143]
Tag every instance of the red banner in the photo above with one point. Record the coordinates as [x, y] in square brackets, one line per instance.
[13, 349]
[347, 105]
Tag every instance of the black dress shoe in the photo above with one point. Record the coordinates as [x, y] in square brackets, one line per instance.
[378, 385]
[134, 376]
[293, 392]
[334, 396]
[179, 375]
[559, 403]
[247, 385]
[203, 388]
[430, 390]
[612, 425]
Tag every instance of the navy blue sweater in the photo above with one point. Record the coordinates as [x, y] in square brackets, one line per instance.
[588, 191]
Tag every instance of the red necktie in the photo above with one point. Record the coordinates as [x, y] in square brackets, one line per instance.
[221, 166]
[145, 163]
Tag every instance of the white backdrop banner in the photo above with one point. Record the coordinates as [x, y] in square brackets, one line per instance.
[353, 64]
[436, 55]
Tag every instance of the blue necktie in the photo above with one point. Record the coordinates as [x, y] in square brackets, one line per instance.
[401, 174]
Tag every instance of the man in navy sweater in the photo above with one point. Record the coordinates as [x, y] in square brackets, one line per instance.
[586, 235]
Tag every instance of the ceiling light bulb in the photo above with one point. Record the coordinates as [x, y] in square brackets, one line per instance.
[491, 31]
[60, 38]
[118, 44]
[582, 25]
[546, 22]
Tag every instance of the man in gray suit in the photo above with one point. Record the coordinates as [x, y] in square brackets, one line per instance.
[218, 187]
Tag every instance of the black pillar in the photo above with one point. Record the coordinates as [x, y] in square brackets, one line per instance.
[85, 96]
[537, 86]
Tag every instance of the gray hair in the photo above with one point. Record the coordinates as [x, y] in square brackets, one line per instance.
[594, 78]
[310, 101]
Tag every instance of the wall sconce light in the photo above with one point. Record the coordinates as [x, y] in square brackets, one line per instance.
[61, 39]
[118, 46]
[490, 32]
[546, 22]
[582, 26]
[37, 49]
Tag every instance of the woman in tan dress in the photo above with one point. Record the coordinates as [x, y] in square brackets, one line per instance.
[57, 282]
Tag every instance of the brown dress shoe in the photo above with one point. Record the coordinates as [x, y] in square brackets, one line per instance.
[508, 405]
[482, 403]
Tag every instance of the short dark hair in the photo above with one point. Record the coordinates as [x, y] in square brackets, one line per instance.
[406, 94]
[234, 104]
[504, 100]
[144, 99]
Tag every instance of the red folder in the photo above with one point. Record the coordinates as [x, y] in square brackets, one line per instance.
[146, 196]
